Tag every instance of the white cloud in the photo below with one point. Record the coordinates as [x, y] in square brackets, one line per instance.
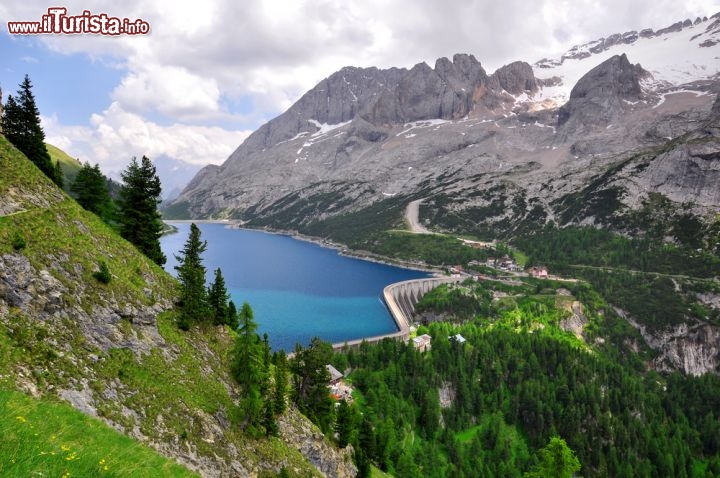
[116, 135]
[170, 90]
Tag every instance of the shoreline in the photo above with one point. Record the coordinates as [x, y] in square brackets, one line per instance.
[340, 248]
[402, 323]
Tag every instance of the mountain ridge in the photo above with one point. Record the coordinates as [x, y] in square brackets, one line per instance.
[369, 106]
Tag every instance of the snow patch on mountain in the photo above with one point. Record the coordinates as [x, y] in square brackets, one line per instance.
[673, 58]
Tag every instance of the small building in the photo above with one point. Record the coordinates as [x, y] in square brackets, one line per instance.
[422, 342]
[458, 338]
[335, 375]
[456, 269]
[539, 272]
[506, 262]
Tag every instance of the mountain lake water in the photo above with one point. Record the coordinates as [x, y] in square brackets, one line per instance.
[297, 289]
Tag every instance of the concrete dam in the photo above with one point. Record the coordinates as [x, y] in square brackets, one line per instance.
[400, 299]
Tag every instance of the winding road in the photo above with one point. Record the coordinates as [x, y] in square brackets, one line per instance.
[412, 213]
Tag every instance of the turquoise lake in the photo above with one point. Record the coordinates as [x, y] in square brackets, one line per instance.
[297, 289]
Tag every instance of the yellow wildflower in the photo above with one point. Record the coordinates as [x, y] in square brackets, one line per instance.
[102, 462]
[65, 447]
[21, 419]
[105, 468]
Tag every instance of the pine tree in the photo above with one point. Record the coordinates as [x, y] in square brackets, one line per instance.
[281, 383]
[249, 370]
[269, 422]
[58, 176]
[138, 215]
[346, 423]
[311, 377]
[91, 192]
[363, 464]
[191, 274]
[21, 126]
[218, 300]
[233, 320]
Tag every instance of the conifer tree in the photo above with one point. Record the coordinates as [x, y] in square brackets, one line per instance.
[233, 321]
[91, 191]
[218, 299]
[21, 126]
[346, 423]
[138, 214]
[249, 370]
[58, 176]
[191, 274]
[310, 380]
[281, 383]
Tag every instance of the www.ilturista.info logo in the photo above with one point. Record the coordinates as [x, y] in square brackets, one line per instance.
[57, 21]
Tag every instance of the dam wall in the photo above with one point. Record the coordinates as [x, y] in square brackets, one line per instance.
[401, 299]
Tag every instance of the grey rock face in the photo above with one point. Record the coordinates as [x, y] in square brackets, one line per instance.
[675, 27]
[445, 92]
[41, 295]
[308, 440]
[598, 97]
[336, 99]
[394, 96]
[517, 78]
[374, 101]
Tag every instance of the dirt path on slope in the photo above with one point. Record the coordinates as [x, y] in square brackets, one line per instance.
[412, 213]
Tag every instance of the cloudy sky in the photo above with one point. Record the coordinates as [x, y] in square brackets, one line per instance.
[205, 77]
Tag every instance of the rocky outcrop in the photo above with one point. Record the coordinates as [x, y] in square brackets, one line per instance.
[576, 322]
[311, 443]
[516, 78]
[336, 99]
[688, 172]
[109, 323]
[601, 96]
[693, 349]
[452, 90]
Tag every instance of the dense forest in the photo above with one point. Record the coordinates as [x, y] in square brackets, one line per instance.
[656, 282]
[488, 406]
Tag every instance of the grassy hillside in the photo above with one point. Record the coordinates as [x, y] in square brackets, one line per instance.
[48, 438]
[113, 350]
[69, 165]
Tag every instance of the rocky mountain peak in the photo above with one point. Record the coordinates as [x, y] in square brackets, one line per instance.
[450, 90]
[517, 78]
[603, 93]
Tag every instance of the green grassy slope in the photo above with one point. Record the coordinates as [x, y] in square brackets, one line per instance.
[47, 438]
[110, 348]
[69, 165]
